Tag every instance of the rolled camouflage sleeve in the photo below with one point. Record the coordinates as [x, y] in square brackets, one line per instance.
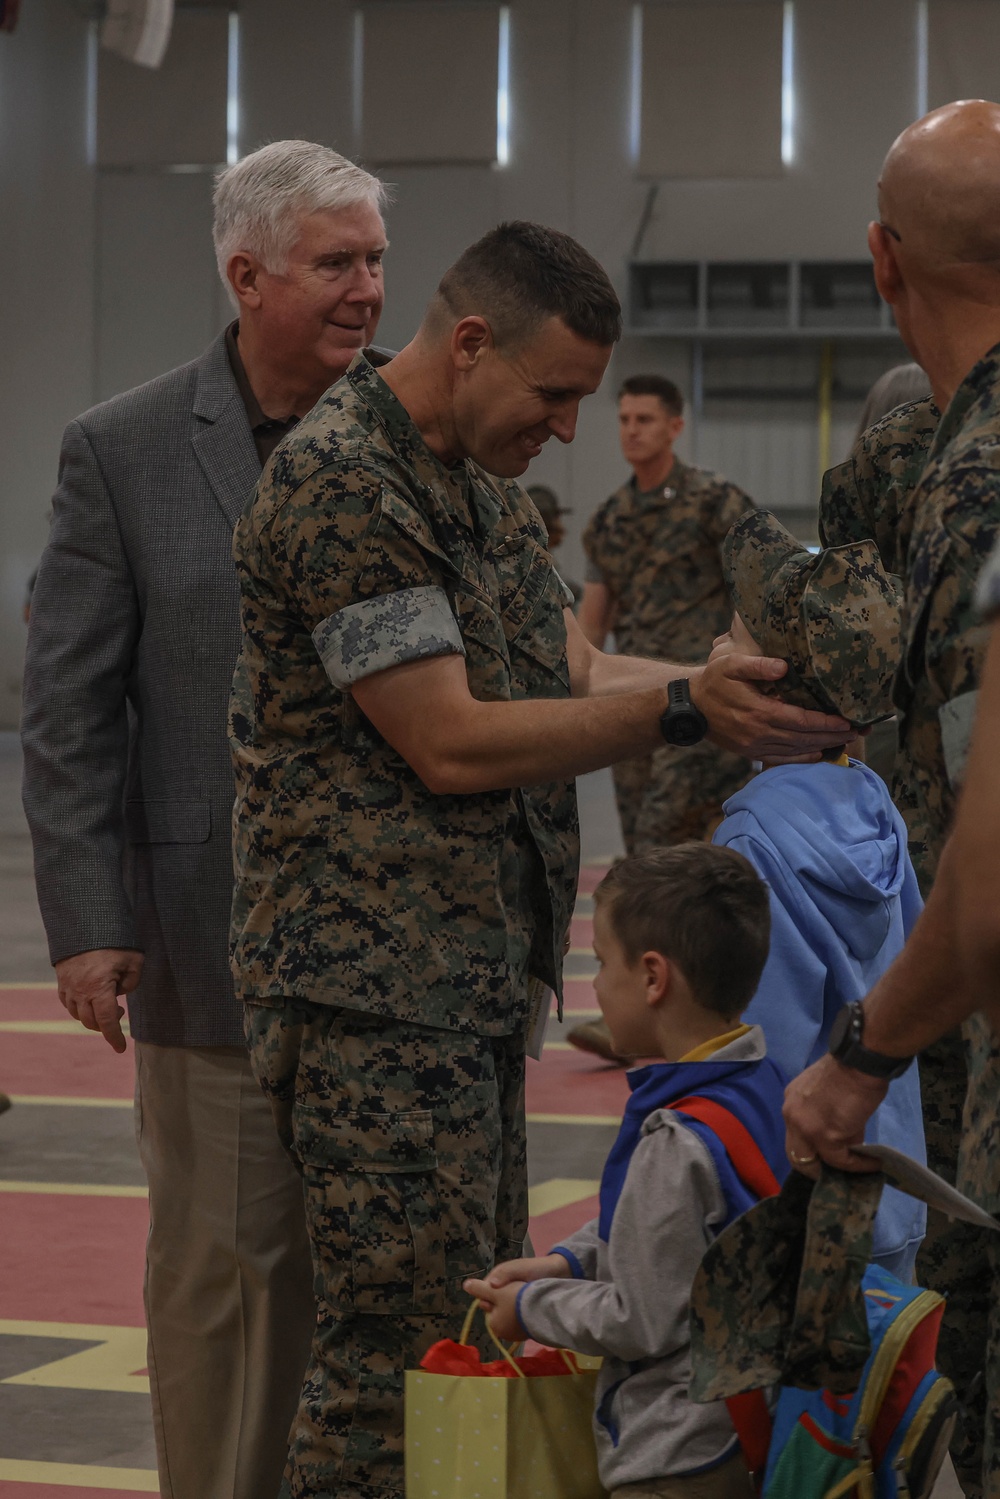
[356, 563]
[389, 630]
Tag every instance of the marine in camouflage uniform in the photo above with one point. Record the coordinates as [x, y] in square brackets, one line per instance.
[385, 938]
[978, 1173]
[938, 540]
[658, 554]
[956, 525]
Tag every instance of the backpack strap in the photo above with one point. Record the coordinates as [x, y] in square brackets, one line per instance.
[749, 1161]
[748, 1412]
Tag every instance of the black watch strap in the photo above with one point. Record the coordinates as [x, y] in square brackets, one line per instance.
[846, 1045]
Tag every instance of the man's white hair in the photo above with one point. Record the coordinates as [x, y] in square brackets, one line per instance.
[261, 201]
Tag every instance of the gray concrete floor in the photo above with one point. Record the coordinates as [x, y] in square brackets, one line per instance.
[57, 1144]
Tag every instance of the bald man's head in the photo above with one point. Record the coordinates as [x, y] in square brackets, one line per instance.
[939, 192]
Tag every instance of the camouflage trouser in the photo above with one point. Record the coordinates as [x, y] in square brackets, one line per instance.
[674, 795]
[954, 1260]
[411, 1143]
[979, 1178]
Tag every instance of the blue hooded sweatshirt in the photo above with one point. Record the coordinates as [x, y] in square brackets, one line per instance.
[844, 899]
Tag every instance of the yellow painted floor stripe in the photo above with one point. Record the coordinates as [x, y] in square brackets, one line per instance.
[73, 1189]
[50, 1100]
[86, 1332]
[574, 1118]
[32, 984]
[109, 1364]
[80, 1476]
[560, 1192]
[65, 1027]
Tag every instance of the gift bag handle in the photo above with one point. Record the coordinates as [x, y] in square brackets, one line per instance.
[467, 1328]
[567, 1358]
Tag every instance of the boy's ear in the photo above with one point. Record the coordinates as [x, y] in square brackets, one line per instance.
[658, 974]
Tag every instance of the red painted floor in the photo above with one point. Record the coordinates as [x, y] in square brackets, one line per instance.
[571, 1082]
[79, 1258]
[63, 1066]
[73, 1259]
[60, 1491]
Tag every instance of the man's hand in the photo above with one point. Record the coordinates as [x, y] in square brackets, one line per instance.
[89, 986]
[500, 1306]
[745, 720]
[826, 1110]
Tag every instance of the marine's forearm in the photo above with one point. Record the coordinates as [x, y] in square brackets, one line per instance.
[923, 995]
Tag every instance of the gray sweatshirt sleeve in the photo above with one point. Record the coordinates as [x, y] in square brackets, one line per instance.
[670, 1199]
[580, 1251]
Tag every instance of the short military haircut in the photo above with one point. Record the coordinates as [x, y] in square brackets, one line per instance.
[704, 908]
[519, 274]
[659, 386]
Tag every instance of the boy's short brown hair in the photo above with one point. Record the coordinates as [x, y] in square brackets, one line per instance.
[704, 908]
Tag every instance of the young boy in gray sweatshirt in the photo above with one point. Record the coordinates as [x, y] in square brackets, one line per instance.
[681, 937]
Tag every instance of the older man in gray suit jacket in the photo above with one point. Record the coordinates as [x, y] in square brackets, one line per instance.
[128, 789]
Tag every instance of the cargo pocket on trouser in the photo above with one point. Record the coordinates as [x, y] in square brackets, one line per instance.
[372, 1201]
[374, 1218]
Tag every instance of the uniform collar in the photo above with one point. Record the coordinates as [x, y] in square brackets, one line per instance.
[979, 391]
[674, 482]
[462, 489]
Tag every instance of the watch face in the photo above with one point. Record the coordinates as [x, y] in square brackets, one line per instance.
[683, 728]
[840, 1030]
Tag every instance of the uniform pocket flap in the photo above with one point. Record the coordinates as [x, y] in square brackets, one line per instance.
[366, 1142]
[168, 822]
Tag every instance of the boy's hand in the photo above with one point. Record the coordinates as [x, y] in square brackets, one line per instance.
[542, 1267]
[500, 1306]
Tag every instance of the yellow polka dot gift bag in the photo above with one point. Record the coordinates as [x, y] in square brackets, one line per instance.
[516, 1428]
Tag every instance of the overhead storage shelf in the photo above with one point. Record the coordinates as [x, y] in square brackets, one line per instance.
[757, 299]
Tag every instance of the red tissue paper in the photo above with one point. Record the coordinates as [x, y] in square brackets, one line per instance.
[449, 1357]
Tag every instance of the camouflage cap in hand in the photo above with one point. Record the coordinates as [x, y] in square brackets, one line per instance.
[778, 1297]
[833, 616]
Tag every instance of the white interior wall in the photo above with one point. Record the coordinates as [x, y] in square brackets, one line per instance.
[97, 300]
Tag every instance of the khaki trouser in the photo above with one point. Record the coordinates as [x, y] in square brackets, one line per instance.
[730, 1481]
[228, 1292]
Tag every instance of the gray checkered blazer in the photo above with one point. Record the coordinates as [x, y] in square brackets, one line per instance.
[132, 642]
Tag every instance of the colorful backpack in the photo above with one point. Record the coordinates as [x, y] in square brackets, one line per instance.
[887, 1440]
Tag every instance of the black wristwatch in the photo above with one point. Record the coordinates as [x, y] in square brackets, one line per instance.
[681, 723]
[845, 1044]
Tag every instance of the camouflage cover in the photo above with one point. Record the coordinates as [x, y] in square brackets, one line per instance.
[778, 1295]
[833, 616]
[355, 885]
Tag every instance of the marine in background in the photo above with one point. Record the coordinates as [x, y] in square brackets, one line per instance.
[654, 577]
